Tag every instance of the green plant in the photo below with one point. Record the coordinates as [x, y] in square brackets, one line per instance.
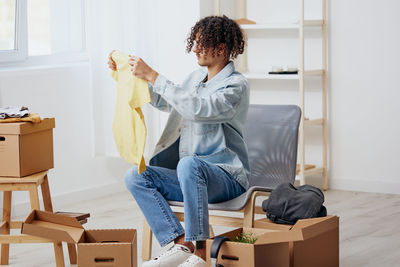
[245, 238]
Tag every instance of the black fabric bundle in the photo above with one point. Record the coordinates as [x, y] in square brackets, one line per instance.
[287, 204]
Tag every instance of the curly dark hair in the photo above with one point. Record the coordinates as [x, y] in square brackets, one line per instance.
[215, 30]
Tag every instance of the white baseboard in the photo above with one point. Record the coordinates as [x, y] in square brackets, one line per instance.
[373, 186]
[21, 209]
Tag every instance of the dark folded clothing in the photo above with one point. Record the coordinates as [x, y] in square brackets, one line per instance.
[287, 204]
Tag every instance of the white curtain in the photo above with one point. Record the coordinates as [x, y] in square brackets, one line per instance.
[154, 30]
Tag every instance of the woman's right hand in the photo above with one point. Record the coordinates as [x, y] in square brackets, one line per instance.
[111, 62]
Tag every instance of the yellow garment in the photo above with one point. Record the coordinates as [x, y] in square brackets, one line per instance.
[129, 127]
[32, 117]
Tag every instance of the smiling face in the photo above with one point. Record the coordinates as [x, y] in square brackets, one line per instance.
[207, 57]
[204, 56]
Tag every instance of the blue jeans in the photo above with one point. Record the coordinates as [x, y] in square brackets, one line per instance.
[195, 182]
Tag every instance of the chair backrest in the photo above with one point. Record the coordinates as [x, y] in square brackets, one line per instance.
[271, 134]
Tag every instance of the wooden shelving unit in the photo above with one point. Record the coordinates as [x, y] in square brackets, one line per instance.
[277, 26]
[304, 169]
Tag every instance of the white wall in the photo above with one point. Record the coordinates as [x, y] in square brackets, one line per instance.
[365, 92]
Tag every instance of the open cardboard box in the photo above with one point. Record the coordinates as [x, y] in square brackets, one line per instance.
[26, 148]
[309, 243]
[103, 247]
[319, 242]
[270, 249]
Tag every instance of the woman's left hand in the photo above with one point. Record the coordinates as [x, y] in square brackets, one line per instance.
[141, 70]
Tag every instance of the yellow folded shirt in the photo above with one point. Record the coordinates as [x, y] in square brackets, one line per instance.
[129, 128]
[32, 117]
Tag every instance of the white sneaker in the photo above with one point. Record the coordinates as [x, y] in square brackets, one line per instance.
[170, 258]
[193, 261]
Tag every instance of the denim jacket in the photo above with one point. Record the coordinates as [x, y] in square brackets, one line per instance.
[206, 120]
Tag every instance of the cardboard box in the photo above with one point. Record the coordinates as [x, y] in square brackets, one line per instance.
[26, 148]
[319, 242]
[270, 249]
[309, 243]
[103, 247]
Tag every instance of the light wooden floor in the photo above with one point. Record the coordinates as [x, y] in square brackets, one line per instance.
[369, 228]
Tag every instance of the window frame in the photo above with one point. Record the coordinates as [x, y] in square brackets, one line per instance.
[20, 51]
[19, 57]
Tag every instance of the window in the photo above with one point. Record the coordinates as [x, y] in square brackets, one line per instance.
[13, 31]
[7, 20]
[41, 28]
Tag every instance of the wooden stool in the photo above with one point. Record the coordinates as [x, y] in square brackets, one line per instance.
[28, 183]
